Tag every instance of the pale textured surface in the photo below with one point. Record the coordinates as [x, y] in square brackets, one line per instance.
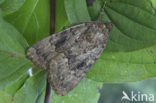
[67, 56]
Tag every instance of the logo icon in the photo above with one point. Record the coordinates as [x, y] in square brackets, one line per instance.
[137, 96]
[125, 96]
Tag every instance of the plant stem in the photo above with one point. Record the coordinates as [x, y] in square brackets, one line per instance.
[48, 93]
[52, 30]
[52, 17]
[90, 2]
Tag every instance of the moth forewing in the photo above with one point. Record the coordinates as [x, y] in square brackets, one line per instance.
[68, 55]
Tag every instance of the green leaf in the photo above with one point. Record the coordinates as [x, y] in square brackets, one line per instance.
[31, 89]
[8, 61]
[153, 4]
[1, 1]
[29, 22]
[123, 38]
[9, 6]
[94, 10]
[11, 41]
[19, 67]
[13, 87]
[6, 98]
[13, 63]
[86, 87]
[32, 20]
[125, 66]
[41, 97]
[77, 11]
[61, 19]
[142, 4]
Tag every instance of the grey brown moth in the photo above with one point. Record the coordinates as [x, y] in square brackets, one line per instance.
[68, 55]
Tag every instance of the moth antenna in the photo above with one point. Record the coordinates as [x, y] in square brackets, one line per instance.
[101, 15]
[104, 4]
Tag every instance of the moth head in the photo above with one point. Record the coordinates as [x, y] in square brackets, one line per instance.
[99, 32]
[109, 26]
[105, 26]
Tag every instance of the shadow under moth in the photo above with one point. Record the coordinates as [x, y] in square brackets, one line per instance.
[68, 55]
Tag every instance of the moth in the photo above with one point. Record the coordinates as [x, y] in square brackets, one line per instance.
[68, 55]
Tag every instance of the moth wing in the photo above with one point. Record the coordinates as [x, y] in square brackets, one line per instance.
[43, 51]
[68, 55]
[75, 57]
